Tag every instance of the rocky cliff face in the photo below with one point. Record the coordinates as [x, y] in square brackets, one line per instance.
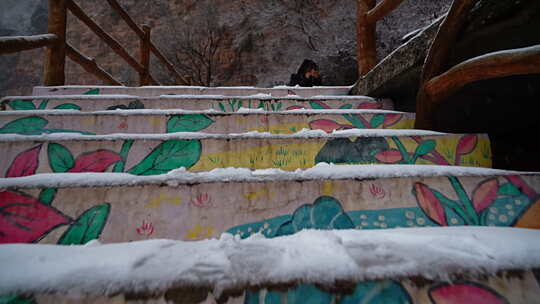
[238, 42]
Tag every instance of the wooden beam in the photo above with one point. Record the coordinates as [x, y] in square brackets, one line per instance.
[497, 64]
[382, 9]
[448, 32]
[110, 41]
[129, 21]
[365, 38]
[55, 55]
[90, 66]
[437, 59]
[17, 44]
[145, 56]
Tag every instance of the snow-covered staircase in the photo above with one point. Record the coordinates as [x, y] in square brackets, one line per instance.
[190, 163]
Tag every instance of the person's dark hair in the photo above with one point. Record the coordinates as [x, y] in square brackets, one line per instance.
[300, 77]
[306, 66]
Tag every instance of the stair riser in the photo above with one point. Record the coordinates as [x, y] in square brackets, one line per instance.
[213, 123]
[504, 288]
[157, 91]
[253, 153]
[222, 105]
[203, 210]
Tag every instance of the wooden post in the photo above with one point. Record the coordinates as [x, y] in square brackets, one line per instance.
[365, 37]
[55, 56]
[144, 78]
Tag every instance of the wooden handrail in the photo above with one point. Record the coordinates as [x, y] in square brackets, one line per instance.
[108, 39]
[129, 21]
[497, 64]
[23, 43]
[382, 9]
[437, 59]
[90, 65]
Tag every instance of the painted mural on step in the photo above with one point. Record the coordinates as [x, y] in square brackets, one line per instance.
[492, 203]
[91, 123]
[225, 104]
[76, 216]
[150, 157]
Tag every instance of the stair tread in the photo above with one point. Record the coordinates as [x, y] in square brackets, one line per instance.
[322, 257]
[321, 171]
[180, 97]
[153, 90]
[308, 134]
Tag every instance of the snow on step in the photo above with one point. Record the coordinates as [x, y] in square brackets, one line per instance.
[150, 154]
[279, 91]
[72, 209]
[191, 102]
[167, 121]
[322, 257]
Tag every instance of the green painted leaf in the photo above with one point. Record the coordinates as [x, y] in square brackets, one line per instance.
[27, 125]
[46, 196]
[427, 146]
[18, 105]
[169, 155]
[11, 299]
[188, 123]
[92, 92]
[43, 104]
[87, 227]
[60, 158]
[509, 190]
[377, 120]
[126, 146]
[316, 105]
[325, 213]
[346, 106]
[222, 107]
[68, 106]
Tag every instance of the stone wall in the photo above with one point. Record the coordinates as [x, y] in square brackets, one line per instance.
[262, 42]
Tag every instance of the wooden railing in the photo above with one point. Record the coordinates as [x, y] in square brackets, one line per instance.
[58, 48]
[368, 13]
[438, 82]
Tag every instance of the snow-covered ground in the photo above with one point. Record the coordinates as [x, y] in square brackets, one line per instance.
[309, 257]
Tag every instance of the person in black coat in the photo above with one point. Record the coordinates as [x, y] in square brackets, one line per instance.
[307, 76]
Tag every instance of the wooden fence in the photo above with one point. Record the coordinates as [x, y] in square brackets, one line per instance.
[58, 48]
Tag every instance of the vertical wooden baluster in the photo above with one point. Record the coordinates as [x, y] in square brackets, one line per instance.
[55, 56]
[365, 37]
[144, 77]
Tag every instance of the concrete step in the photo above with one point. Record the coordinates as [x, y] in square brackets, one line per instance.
[150, 154]
[72, 209]
[168, 121]
[191, 206]
[192, 90]
[191, 102]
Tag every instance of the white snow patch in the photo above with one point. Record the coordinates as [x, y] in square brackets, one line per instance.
[121, 97]
[241, 111]
[310, 256]
[321, 171]
[304, 133]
